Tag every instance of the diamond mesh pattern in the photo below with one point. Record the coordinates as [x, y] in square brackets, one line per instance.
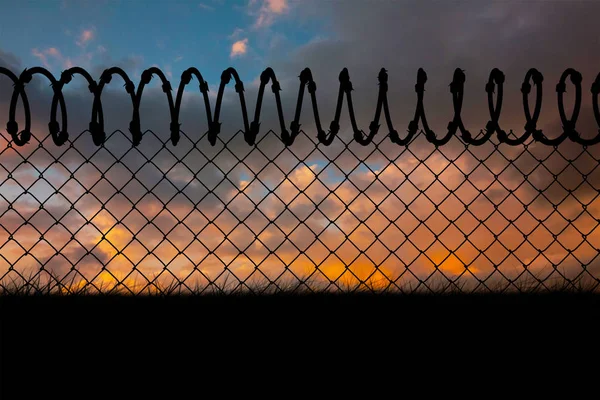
[194, 218]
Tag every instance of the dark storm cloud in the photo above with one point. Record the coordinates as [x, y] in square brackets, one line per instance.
[475, 36]
[442, 36]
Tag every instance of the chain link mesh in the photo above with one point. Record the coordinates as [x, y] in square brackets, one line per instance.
[194, 218]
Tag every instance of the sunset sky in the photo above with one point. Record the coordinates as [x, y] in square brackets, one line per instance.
[288, 36]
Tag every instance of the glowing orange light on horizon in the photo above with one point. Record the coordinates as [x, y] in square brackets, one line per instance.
[450, 263]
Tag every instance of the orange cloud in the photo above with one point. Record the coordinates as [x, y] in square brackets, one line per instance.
[51, 56]
[268, 11]
[449, 263]
[53, 51]
[362, 275]
[276, 6]
[44, 54]
[239, 48]
[41, 56]
[68, 63]
[86, 36]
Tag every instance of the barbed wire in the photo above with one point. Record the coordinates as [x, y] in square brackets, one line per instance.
[495, 85]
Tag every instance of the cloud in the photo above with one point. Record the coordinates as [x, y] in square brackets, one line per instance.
[268, 12]
[239, 48]
[53, 51]
[206, 7]
[41, 56]
[168, 71]
[86, 36]
[236, 34]
[276, 6]
[44, 55]
[52, 57]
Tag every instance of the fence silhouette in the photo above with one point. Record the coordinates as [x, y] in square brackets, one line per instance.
[492, 211]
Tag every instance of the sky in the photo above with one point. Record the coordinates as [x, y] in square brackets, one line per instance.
[288, 36]
[171, 35]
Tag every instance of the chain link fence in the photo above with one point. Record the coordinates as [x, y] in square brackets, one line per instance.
[208, 213]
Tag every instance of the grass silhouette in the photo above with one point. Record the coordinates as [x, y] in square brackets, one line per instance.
[93, 339]
[57, 286]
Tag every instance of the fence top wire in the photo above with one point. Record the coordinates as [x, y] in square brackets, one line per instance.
[494, 88]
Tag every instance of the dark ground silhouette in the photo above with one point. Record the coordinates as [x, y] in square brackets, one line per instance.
[100, 342]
